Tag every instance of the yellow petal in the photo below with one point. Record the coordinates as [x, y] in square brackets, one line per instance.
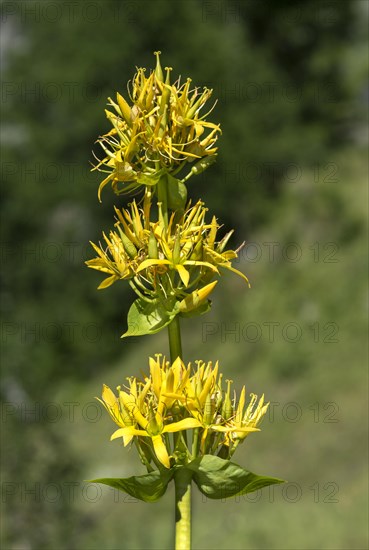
[241, 404]
[125, 109]
[127, 439]
[155, 376]
[108, 396]
[123, 432]
[183, 273]
[217, 428]
[161, 450]
[237, 272]
[206, 264]
[148, 263]
[207, 386]
[107, 282]
[130, 403]
[186, 424]
[102, 185]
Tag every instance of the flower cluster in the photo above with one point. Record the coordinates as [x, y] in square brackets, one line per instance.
[203, 416]
[158, 134]
[179, 260]
[185, 421]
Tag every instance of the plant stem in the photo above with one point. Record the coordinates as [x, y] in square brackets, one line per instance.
[182, 477]
[163, 198]
[182, 483]
[174, 331]
[195, 443]
[174, 334]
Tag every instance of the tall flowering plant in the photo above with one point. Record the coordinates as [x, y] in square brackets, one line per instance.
[185, 420]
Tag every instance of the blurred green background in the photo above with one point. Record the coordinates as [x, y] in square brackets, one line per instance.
[291, 178]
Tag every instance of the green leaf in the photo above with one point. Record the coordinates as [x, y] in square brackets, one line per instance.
[148, 317]
[217, 478]
[148, 179]
[177, 193]
[149, 487]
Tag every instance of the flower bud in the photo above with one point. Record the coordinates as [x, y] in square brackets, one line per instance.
[197, 252]
[153, 247]
[212, 233]
[153, 426]
[203, 164]
[124, 109]
[170, 381]
[166, 90]
[196, 298]
[209, 410]
[158, 70]
[177, 248]
[227, 409]
[128, 245]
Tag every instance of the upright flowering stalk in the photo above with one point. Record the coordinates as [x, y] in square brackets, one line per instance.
[185, 420]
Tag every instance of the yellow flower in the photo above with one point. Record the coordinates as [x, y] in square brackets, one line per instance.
[249, 418]
[167, 379]
[207, 404]
[221, 422]
[189, 243]
[214, 251]
[160, 132]
[143, 410]
[150, 254]
[112, 259]
[177, 243]
[238, 422]
[152, 425]
[118, 412]
[174, 398]
[125, 248]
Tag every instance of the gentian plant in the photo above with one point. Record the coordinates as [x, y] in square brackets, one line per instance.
[185, 420]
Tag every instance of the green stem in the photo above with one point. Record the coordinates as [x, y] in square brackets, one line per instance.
[182, 483]
[174, 334]
[174, 331]
[182, 477]
[163, 197]
[195, 443]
